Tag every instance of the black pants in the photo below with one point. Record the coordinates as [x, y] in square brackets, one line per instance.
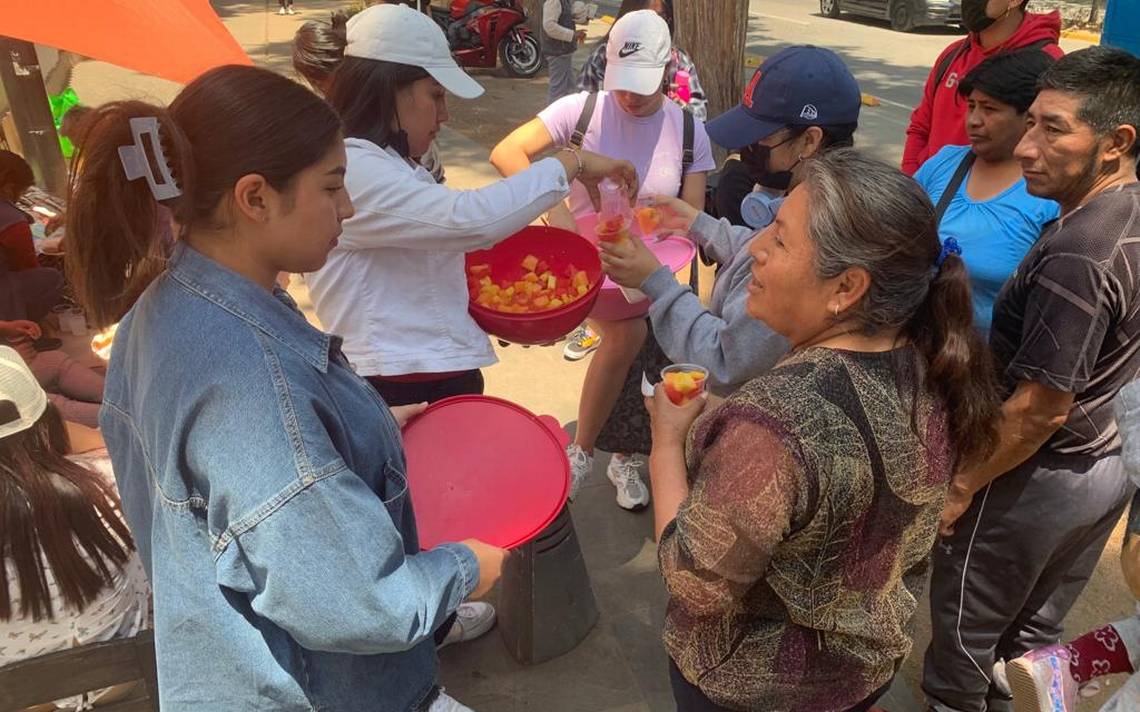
[689, 697]
[1017, 561]
[29, 294]
[401, 393]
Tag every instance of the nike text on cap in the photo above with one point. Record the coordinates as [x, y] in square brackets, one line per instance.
[397, 33]
[797, 86]
[638, 48]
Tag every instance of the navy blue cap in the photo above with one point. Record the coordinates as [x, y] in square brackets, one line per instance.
[797, 86]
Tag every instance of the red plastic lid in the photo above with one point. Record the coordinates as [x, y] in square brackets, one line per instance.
[484, 468]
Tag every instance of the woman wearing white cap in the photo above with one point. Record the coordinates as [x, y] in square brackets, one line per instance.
[631, 119]
[395, 288]
[69, 572]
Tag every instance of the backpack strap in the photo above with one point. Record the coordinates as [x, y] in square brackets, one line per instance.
[953, 186]
[948, 60]
[583, 125]
[687, 156]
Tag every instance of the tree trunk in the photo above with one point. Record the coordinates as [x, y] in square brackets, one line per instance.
[1094, 12]
[713, 33]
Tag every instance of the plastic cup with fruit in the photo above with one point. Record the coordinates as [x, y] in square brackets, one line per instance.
[684, 382]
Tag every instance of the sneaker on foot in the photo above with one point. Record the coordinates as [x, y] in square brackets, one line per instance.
[581, 464]
[1040, 681]
[632, 494]
[580, 343]
[281, 11]
[447, 703]
[291, 11]
[472, 620]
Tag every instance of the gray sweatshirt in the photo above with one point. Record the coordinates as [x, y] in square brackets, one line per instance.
[732, 345]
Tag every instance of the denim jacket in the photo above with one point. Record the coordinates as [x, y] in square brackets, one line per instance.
[264, 483]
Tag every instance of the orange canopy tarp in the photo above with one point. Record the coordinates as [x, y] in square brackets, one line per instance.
[172, 39]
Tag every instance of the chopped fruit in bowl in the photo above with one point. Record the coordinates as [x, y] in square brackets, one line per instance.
[527, 291]
[684, 382]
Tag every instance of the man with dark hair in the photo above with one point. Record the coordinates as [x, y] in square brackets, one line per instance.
[995, 26]
[1024, 531]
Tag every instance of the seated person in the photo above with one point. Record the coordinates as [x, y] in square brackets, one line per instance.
[70, 573]
[990, 212]
[74, 389]
[27, 291]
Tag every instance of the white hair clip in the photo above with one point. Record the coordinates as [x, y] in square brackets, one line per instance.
[135, 162]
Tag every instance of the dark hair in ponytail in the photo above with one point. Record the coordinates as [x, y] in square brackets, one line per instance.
[318, 48]
[230, 122]
[867, 214]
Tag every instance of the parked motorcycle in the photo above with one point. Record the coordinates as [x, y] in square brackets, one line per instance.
[484, 32]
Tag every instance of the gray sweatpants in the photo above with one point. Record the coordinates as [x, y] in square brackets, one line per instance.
[1016, 563]
[561, 77]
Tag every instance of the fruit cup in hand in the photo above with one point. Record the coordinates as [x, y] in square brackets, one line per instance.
[684, 382]
[615, 216]
[649, 217]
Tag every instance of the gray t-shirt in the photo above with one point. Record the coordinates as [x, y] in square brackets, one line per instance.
[1069, 317]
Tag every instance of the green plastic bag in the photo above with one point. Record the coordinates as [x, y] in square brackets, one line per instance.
[60, 105]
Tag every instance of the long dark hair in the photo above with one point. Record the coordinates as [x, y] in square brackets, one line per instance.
[57, 514]
[868, 214]
[363, 92]
[230, 122]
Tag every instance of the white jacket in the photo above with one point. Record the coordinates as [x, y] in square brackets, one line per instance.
[395, 288]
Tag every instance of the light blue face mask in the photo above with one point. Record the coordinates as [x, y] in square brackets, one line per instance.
[758, 209]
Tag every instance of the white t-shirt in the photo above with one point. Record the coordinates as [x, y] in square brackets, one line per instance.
[121, 610]
[653, 144]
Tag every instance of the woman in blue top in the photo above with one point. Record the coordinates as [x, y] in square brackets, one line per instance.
[991, 214]
[262, 479]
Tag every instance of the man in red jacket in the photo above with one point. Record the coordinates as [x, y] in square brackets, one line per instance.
[995, 26]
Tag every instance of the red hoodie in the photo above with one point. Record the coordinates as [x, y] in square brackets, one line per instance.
[940, 120]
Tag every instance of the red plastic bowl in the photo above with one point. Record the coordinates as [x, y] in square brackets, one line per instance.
[559, 248]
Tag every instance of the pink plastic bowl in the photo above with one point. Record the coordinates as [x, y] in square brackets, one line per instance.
[674, 252]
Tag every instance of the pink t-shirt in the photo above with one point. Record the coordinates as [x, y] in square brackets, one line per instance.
[653, 144]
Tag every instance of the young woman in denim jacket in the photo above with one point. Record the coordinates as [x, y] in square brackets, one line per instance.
[263, 480]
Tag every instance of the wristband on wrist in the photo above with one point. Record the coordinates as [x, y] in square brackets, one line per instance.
[577, 157]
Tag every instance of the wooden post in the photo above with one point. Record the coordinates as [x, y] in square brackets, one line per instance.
[713, 33]
[24, 84]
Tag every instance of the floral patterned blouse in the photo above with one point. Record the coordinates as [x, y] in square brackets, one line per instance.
[795, 565]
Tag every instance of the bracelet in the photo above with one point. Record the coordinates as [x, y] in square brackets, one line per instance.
[577, 157]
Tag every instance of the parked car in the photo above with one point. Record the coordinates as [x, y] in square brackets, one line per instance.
[904, 15]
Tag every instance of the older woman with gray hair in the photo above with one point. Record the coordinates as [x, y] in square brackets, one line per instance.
[796, 519]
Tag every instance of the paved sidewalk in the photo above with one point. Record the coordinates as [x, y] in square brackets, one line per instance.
[621, 667]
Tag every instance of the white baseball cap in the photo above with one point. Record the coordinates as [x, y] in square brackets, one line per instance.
[17, 384]
[638, 48]
[397, 33]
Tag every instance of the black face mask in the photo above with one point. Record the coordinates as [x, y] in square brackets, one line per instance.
[757, 160]
[974, 15]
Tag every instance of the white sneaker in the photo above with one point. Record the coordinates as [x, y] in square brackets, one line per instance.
[291, 11]
[281, 11]
[447, 703]
[632, 494]
[472, 620]
[581, 464]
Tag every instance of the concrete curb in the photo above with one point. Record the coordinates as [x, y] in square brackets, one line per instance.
[1082, 35]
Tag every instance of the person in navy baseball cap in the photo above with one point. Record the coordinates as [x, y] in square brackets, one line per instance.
[801, 101]
[797, 86]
